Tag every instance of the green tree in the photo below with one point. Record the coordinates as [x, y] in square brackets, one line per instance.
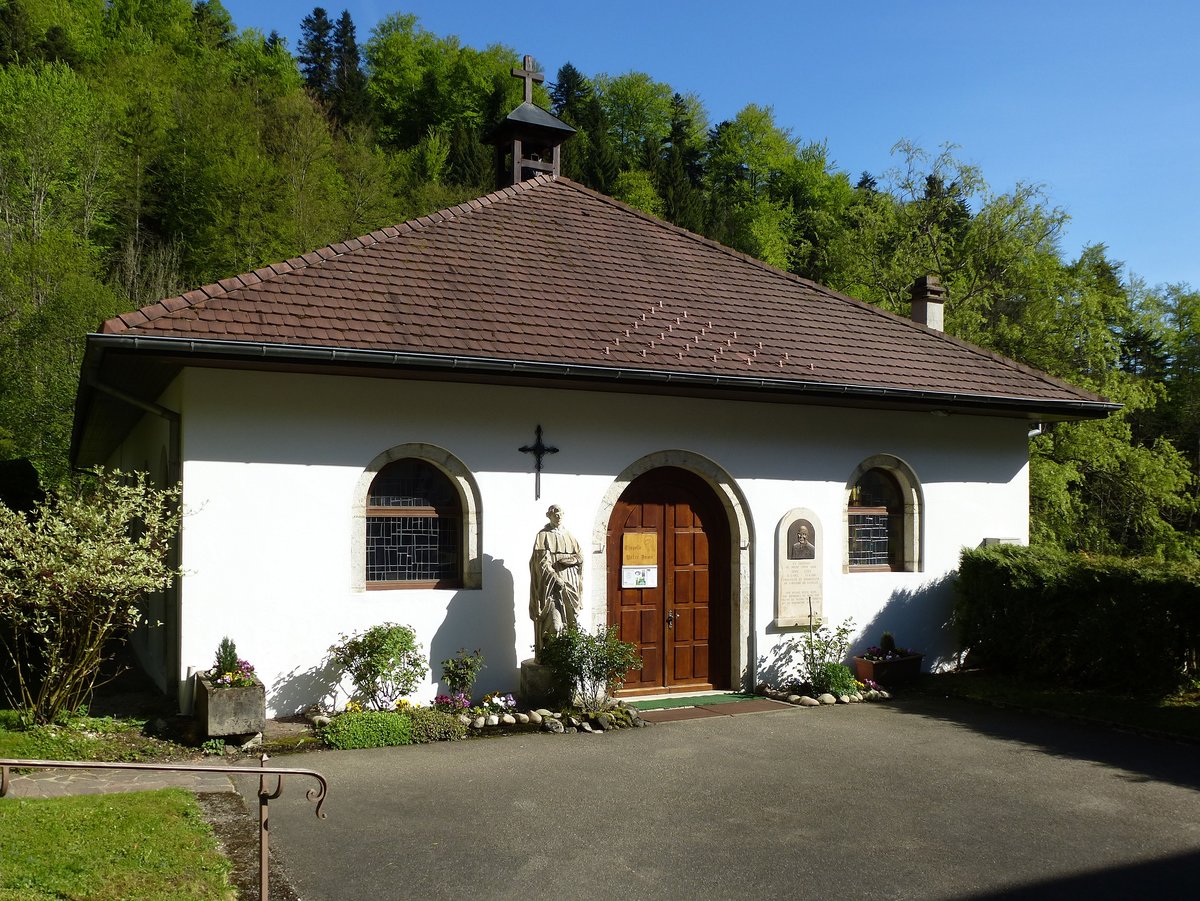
[347, 97]
[636, 188]
[317, 54]
[636, 107]
[681, 171]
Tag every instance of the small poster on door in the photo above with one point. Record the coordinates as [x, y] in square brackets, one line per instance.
[639, 576]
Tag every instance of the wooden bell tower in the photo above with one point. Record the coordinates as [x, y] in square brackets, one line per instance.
[527, 140]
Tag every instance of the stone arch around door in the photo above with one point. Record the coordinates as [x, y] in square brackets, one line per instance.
[742, 651]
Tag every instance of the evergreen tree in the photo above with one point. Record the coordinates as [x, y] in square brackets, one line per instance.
[570, 93]
[316, 53]
[680, 171]
[213, 23]
[602, 164]
[348, 92]
[471, 162]
[16, 39]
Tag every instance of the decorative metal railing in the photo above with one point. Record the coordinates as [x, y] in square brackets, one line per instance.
[316, 795]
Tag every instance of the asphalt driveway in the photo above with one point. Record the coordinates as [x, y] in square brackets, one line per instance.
[918, 798]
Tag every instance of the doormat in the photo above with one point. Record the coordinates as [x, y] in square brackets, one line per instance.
[693, 701]
[746, 704]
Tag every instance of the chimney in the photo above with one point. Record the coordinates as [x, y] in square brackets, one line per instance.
[928, 296]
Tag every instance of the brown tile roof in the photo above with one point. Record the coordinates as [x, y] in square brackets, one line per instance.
[550, 272]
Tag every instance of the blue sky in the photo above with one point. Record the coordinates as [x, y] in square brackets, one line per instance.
[1098, 101]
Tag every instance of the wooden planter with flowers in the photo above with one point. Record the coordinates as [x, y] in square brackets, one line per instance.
[230, 699]
[887, 665]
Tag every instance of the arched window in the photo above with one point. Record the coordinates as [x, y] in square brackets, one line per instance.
[883, 508]
[414, 528]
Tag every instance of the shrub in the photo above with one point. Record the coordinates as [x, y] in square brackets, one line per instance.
[430, 724]
[1104, 622]
[823, 649]
[385, 663]
[460, 671]
[72, 575]
[834, 678]
[586, 667]
[367, 729]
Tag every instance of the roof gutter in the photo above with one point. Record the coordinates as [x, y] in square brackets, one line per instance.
[299, 353]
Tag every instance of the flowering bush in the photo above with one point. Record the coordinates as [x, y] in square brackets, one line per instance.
[458, 702]
[404, 705]
[385, 663]
[230, 671]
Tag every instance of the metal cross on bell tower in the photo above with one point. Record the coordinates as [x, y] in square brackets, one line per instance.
[539, 450]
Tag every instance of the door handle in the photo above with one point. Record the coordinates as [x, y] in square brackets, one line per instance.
[670, 619]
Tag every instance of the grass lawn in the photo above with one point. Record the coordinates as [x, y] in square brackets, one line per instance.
[144, 845]
[86, 738]
[1176, 715]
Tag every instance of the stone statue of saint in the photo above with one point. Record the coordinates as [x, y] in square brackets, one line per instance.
[555, 581]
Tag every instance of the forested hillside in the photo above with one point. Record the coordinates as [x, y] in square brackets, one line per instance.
[150, 147]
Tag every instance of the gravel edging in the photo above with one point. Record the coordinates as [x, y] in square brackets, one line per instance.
[236, 831]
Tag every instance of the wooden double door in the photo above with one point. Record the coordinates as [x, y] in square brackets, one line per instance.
[677, 609]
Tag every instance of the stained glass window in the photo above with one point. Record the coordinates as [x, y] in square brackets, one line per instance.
[414, 527]
[876, 522]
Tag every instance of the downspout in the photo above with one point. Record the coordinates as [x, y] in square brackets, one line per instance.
[174, 477]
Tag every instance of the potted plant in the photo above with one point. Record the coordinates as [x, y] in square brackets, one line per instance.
[888, 664]
[230, 699]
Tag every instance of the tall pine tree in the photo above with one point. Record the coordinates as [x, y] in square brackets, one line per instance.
[681, 171]
[316, 53]
[348, 91]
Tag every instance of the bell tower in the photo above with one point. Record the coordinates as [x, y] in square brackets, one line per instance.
[529, 138]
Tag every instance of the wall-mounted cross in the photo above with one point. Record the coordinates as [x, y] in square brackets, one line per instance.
[539, 449]
[526, 72]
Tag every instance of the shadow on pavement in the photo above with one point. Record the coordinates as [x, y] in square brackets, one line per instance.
[1171, 877]
[1145, 758]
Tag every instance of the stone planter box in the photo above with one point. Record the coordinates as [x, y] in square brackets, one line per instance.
[230, 711]
[889, 672]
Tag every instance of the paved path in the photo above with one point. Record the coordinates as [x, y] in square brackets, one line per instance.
[914, 799]
[56, 783]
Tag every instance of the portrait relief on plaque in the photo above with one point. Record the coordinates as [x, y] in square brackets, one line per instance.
[799, 598]
[801, 544]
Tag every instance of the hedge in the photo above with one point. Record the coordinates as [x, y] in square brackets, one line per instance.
[1086, 621]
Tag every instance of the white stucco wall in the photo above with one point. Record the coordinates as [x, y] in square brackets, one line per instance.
[270, 464]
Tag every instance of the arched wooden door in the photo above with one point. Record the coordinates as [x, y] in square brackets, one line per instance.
[676, 609]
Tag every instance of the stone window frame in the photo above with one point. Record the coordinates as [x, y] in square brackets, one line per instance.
[471, 535]
[912, 531]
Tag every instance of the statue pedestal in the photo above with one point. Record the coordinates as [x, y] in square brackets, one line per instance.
[537, 686]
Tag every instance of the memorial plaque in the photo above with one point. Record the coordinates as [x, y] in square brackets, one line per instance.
[639, 549]
[798, 553]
